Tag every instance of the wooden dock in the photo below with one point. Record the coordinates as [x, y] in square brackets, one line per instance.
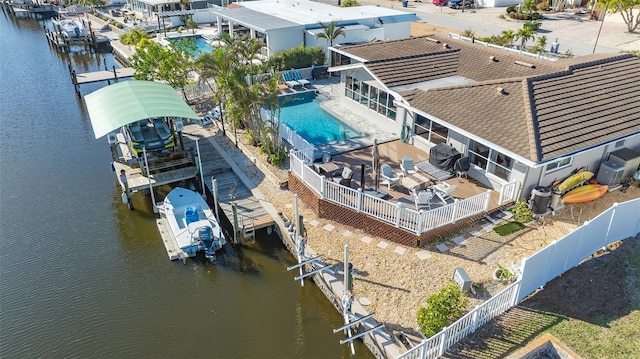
[136, 180]
[231, 189]
[98, 76]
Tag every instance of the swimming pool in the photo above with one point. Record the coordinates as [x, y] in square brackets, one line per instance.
[201, 44]
[303, 114]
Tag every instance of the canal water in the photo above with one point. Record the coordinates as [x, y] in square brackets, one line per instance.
[81, 276]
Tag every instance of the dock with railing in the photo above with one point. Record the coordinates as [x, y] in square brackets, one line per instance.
[243, 210]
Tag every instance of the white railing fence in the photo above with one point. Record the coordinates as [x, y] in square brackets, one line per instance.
[548, 57]
[393, 213]
[196, 90]
[619, 222]
[508, 193]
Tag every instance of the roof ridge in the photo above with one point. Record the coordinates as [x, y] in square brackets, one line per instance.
[533, 127]
[428, 54]
[601, 61]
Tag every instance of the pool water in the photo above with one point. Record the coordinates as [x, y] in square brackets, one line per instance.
[201, 44]
[303, 114]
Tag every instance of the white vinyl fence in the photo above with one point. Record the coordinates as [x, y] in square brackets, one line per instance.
[390, 212]
[305, 150]
[619, 222]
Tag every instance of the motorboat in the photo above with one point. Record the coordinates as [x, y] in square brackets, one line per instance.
[151, 134]
[71, 28]
[193, 226]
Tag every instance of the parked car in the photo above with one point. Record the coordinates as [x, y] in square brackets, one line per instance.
[458, 4]
[440, 2]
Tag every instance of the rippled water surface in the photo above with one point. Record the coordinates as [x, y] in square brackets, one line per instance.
[82, 276]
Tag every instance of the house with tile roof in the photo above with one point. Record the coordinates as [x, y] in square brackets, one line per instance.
[519, 119]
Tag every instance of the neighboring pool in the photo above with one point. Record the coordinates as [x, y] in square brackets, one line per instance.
[201, 43]
[303, 114]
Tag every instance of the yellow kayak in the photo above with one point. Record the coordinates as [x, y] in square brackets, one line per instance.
[574, 180]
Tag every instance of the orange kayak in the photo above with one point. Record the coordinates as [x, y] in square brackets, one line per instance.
[585, 193]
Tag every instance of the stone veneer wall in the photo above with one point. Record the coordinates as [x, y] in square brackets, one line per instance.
[372, 226]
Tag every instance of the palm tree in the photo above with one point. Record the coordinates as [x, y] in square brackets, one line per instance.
[331, 32]
[508, 36]
[217, 65]
[525, 34]
[542, 43]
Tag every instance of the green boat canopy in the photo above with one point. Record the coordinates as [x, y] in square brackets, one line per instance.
[126, 102]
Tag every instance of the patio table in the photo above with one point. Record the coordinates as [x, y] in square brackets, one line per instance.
[416, 181]
[327, 169]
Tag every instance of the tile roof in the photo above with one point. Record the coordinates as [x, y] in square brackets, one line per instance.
[546, 109]
[589, 104]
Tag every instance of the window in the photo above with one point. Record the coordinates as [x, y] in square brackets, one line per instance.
[619, 144]
[553, 166]
[370, 96]
[431, 131]
[491, 161]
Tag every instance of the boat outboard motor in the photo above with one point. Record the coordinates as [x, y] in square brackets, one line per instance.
[206, 236]
[206, 239]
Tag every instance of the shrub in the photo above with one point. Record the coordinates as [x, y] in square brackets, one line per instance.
[468, 33]
[512, 8]
[298, 57]
[522, 212]
[350, 3]
[502, 274]
[543, 6]
[442, 309]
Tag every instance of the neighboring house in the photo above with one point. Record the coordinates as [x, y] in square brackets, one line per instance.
[519, 119]
[285, 24]
[172, 10]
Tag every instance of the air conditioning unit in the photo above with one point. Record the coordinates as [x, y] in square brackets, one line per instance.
[610, 173]
[627, 158]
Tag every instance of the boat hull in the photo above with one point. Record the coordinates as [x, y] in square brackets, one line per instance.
[192, 224]
[585, 193]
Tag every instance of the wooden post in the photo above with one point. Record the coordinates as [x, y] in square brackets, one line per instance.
[234, 209]
[115, 74]
[123, 179]
[214, 190]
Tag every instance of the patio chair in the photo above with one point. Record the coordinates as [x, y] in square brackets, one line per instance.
[389, 177]
[289, 80]
[326, 158]
[422, 199]
[297, 77]
[461, 167]
[444, 190]
[407, 166]
[344, 178]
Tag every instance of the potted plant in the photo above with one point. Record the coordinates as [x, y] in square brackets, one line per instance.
[502, 274]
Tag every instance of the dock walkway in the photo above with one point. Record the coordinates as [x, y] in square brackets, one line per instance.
[252, 215]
